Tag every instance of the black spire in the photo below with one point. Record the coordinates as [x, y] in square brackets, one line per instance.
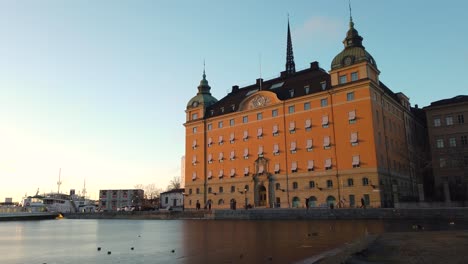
[290, 66]
[352, 36]
[204, 88]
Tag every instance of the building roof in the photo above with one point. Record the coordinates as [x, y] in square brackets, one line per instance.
[180, 190]
[454, 100]
[281, 86]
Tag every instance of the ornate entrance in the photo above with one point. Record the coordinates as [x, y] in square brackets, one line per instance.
[262, 196]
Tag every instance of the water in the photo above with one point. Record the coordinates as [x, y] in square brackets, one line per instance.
[193, 241]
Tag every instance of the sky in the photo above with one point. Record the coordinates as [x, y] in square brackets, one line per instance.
[98, 89]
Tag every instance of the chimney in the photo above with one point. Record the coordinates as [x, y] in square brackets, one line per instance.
[259, 83]
[314, 65]
[416, 106]
[235, 88]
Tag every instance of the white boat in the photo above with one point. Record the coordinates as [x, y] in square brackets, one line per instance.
[33, 204]
[68, 203]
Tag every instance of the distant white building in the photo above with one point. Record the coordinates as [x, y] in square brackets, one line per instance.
[182, 172]
[112, 200]
[173, 198]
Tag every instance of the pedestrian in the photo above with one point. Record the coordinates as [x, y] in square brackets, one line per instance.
[198, 205]
[209, 204]
[234, 203]
[363, 203]
[307, 203]
[231, 204]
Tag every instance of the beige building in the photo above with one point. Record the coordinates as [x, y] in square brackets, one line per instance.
[448, 137]
[113, 200]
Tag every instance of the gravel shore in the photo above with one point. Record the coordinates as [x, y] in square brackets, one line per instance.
[415, 247]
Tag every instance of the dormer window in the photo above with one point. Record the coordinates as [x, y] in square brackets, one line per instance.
[222, 109]
[323, 85]
[306, 89]
[212, 112]
[291, 93]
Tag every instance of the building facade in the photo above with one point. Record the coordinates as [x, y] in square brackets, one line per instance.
[113, 200]
[310, 136]
[173, 198]
[448, 137]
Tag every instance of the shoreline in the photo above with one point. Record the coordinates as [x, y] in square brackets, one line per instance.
[450, 214]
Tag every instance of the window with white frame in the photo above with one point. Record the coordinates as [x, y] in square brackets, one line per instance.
[246, 153]
[194, 144]
[231, 138]
[328, 164]
[326, 142]
[452, 142]
[246, 135]
[260, 133]
[356, 161]
[221, 173]
[354, 139]
[233, 172]
[210, 175]
[308, 125]
[324, 102]
[221, 157]
[246, 171]
[260, 151]
[294, 166]
[437, 122]
[194, 175]
[232, 156]
[449, 120]
[210, 142]
[275, 130]
[293, 147]
[354, 76]
[292, 127]
[194, 160]
[194, 130]
[440, 143]
[343, 79]
[276, 149]
[352, 117]
[325, 121]
[210, 158]
[261, 169]
[310, 165]
[220, 140]
[309, 145]
[277, 168]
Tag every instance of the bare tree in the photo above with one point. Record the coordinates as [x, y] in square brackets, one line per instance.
[151, 190]
[174, 183]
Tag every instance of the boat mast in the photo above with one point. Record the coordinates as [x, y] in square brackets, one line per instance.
[59, 182]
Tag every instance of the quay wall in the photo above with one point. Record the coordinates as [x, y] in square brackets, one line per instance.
[287, 214]
[23, 216]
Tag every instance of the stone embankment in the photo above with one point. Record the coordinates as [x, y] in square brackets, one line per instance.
[287, 214]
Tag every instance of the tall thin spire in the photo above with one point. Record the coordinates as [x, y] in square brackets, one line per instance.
[351, 24]
[290, 66]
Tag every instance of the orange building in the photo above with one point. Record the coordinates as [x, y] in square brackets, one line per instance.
[305, 137]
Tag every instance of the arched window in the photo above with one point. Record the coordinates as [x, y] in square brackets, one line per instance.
[365, 181]
[198, 190]
[209, 190]
[246, 187]
[221, 189]
[190, 202]
[295, 202]
[220, 202]
[312, 201]
[331, 200]
[233, 188]
[295, 185]
[190, 191]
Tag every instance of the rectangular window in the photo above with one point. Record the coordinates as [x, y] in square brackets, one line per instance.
[194, 116]
[275, 149]
[246, 153]
[354, 76]
[277, 171]
[440, 143]
[293, 147]
[449, 120]
[210, 127]
[343, 79]
[275, 130]
[308, 125]
[350, 96]
[325, 121]
[291, 109]
[291, 93]
[310, 165]
[231, 122]
[231, 138]
[307, 106]
[461, 119]
[464, 140]
[259, 116]
[352, 200]
[306, 89]
[328, 164]
[292, 127]
[437, 122]
[309, 145]
[354, 139]
[274, 112]
[324, 102]
[245, 119]
[311, 184]
[452, 142]
[246, 171]
[246, 135]
[294, 166]
[220, 140]
[356, 162]
[260, 133]
[329, 184]
[367, 199]
[350, 182]
[352, 117]
[220, 124]
[194, 130]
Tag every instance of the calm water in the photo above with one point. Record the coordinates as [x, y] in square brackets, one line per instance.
[193, 241]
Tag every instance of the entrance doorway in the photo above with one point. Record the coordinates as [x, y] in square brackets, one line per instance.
[262, 196]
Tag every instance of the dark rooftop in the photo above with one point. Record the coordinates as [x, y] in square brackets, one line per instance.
[453, 100]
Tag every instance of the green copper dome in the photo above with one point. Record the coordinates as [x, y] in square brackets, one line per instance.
[203, 96]
[354, 51]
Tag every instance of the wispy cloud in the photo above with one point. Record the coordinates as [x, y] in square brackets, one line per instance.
[321, 29]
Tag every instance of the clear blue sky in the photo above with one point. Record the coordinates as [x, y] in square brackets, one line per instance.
[99, 88]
